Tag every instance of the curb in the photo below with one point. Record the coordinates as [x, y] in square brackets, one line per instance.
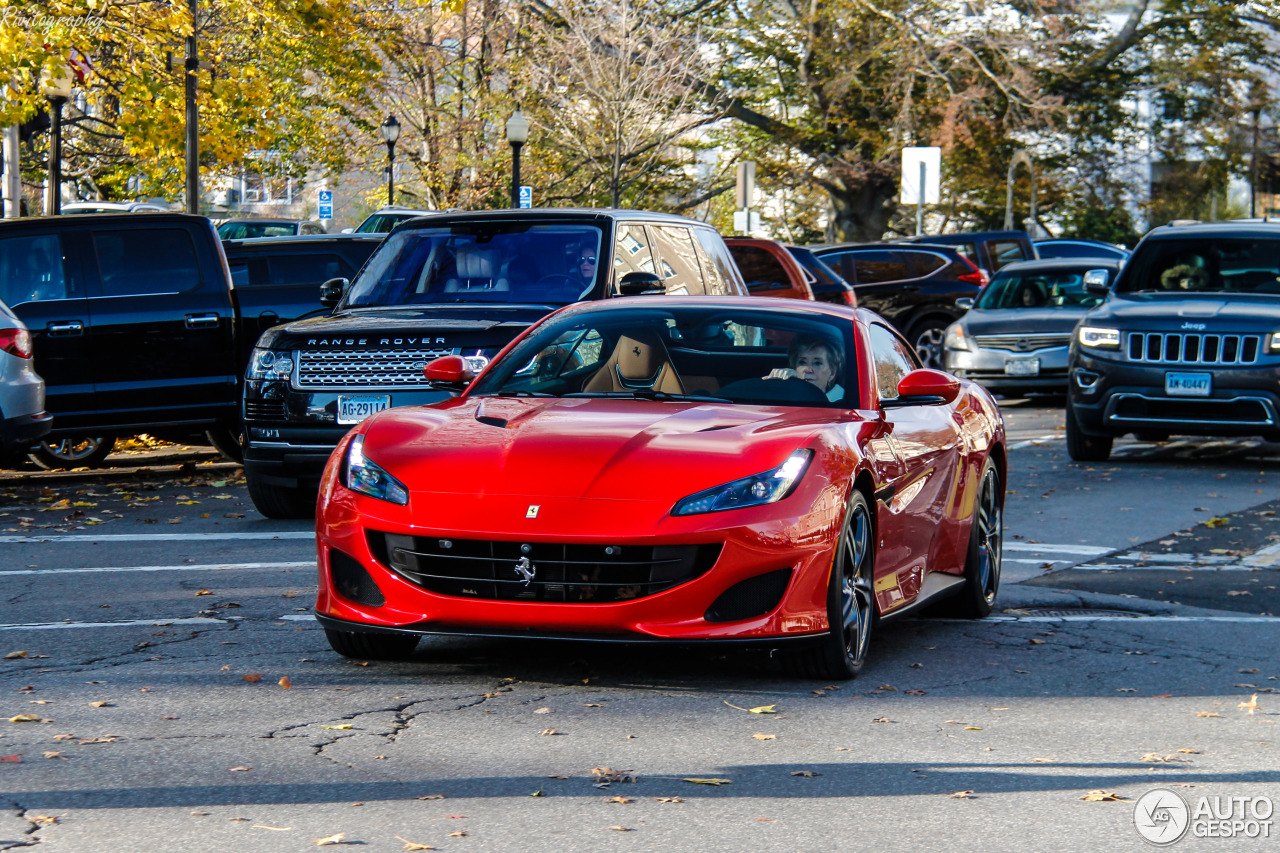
[1019, 597]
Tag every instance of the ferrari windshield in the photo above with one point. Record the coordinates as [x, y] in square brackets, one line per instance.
[512, 262]
[1037, 289]
[1205, 265]
[699, 352]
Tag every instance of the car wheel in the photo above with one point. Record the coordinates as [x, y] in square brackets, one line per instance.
[281, 501]
[982, 566]
[227, 440]
[927, 337]
[1082, 447]
[80, 451]
[850, 602]
[352, 644]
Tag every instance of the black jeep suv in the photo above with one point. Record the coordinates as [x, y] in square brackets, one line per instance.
[1187, 342]
[463, 283]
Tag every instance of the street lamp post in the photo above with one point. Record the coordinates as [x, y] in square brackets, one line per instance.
[56, 84]
[390, 133]
[517, 134]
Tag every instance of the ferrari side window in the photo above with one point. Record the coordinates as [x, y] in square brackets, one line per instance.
[893, 360]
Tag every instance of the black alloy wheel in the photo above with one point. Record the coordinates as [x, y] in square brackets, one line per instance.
[927, 337]
[79, 451]
[352, 644]
[850, 602]
[1082, 447]
[982, 565]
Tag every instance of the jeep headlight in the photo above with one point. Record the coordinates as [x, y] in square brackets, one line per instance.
[955, 337]
[270, 364]
[1273, 344]
[360, 474]
[1094, 336]
[764, 488]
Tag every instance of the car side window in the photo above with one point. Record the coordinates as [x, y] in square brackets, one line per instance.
[762, 271]
[893, 360]
[723, 277]
[239, 272]
[31, 269]
[631, 252]
[678, 261]
[312, 268]
[146, 261]
[877, 266]
[925, 263]
[1005, 252]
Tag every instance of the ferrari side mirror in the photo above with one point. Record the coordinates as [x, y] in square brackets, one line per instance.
[924, 387]
[449, 373]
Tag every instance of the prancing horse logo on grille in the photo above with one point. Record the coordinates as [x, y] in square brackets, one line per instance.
[526, 569]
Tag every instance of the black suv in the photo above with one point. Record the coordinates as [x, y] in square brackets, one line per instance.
[1188, 341]
[453, 283]
[989, 251]
[913, 287]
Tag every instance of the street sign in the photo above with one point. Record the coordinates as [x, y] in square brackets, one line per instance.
[745, 188]
[917, 163]
[325, 202]
[526, 197]
[744, 224]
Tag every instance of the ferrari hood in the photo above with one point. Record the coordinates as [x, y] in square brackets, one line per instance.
[635, 450]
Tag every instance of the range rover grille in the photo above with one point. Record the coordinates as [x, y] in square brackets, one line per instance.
[400, 368]
[1193, 348]
[1023, 343]
[555, 572]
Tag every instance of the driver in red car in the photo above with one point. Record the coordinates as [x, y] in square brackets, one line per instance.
[817, 361]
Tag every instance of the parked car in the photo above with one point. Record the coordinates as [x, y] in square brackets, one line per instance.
[989, 251]
[239, 229]
[1081, 249]
[382, 221]
[1017, 332]
[827, 284]
[650, 486]
[279, 278]
[1187, 341]
[461, 283]
[133, 326]
[769, 269]
[23, 419]
[913, 287]
[113, 207]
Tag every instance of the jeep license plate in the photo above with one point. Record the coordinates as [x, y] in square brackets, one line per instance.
[1188, 384]
[1022, 367]
[353, 409]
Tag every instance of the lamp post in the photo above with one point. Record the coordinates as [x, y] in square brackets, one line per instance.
[517, 134]
[56, 85]
[390, 133]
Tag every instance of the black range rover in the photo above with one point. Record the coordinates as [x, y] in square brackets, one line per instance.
[449, 284]
[1187, 342]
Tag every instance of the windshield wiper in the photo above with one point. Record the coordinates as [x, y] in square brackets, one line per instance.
[650, 394]
[522, 392]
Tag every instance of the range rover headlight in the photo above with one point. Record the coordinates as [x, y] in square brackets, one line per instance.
[360, 474]
[270, 364]
[1273, 344]
[955, 337]
[763, 488]
[1094, 336]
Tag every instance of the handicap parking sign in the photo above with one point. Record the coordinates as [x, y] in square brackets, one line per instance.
[325, 199]
[526, 196]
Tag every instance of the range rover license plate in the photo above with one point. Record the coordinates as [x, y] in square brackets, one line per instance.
[354, 409]
[1188, 384]
[1022, 367]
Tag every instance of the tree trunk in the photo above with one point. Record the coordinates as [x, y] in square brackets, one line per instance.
[863, 198]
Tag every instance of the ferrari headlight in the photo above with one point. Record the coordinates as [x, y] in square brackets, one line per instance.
[1093, 336]
[955, 337]
[369, 478]
[759, 489]
[269, 364]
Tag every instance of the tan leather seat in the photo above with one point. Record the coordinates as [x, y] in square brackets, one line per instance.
[476, 271]
[638, 361]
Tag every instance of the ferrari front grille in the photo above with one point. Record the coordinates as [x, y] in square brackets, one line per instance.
[540, 571]
[1193, 348]
[380, 368]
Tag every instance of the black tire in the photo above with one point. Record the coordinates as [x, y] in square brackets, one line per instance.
[281, 501]
[227, 440]
[982, 565]
[80, 451]
[841, 654]
[351, 644]
[1082, 447]
[926, 338]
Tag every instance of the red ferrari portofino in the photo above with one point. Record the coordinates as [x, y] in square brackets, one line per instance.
[670, 470]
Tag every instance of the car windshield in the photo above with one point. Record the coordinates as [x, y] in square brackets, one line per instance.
[1037, 289]
[379, 223]
[695, 352]
[244, 230]
[1205, 265]
[511, 262]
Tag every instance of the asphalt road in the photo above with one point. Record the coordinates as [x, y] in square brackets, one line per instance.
[156, 615]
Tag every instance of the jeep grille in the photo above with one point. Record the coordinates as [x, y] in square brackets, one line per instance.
[1190, 348]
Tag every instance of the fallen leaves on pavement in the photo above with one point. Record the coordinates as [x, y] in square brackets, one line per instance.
[962, 795]
[330, 840]
[413, 845]
[759, 709]
[714, 782]
[759, 736]
[1251, 705]
[1103, 796]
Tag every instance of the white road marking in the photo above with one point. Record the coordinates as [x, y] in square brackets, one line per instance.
[134, 623]
[1140, 617]
[186, 567]
[1165, 567]
[162, 537]
[1044, 548]
[298, 617]
[1035, 441]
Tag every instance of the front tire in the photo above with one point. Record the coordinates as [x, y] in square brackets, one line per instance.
[982, 566]
[1082, 447]
[227, 441]
[842, 653]
[79, 451]
[281, 501]
[352, 644]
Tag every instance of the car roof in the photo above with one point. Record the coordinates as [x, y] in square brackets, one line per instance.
[894, 246]
[975, 235]
[1078, 241]
[148, 221]
[552, 213]
[300, 240]
[1214, 229]
[254, 221]
[1052, 264]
